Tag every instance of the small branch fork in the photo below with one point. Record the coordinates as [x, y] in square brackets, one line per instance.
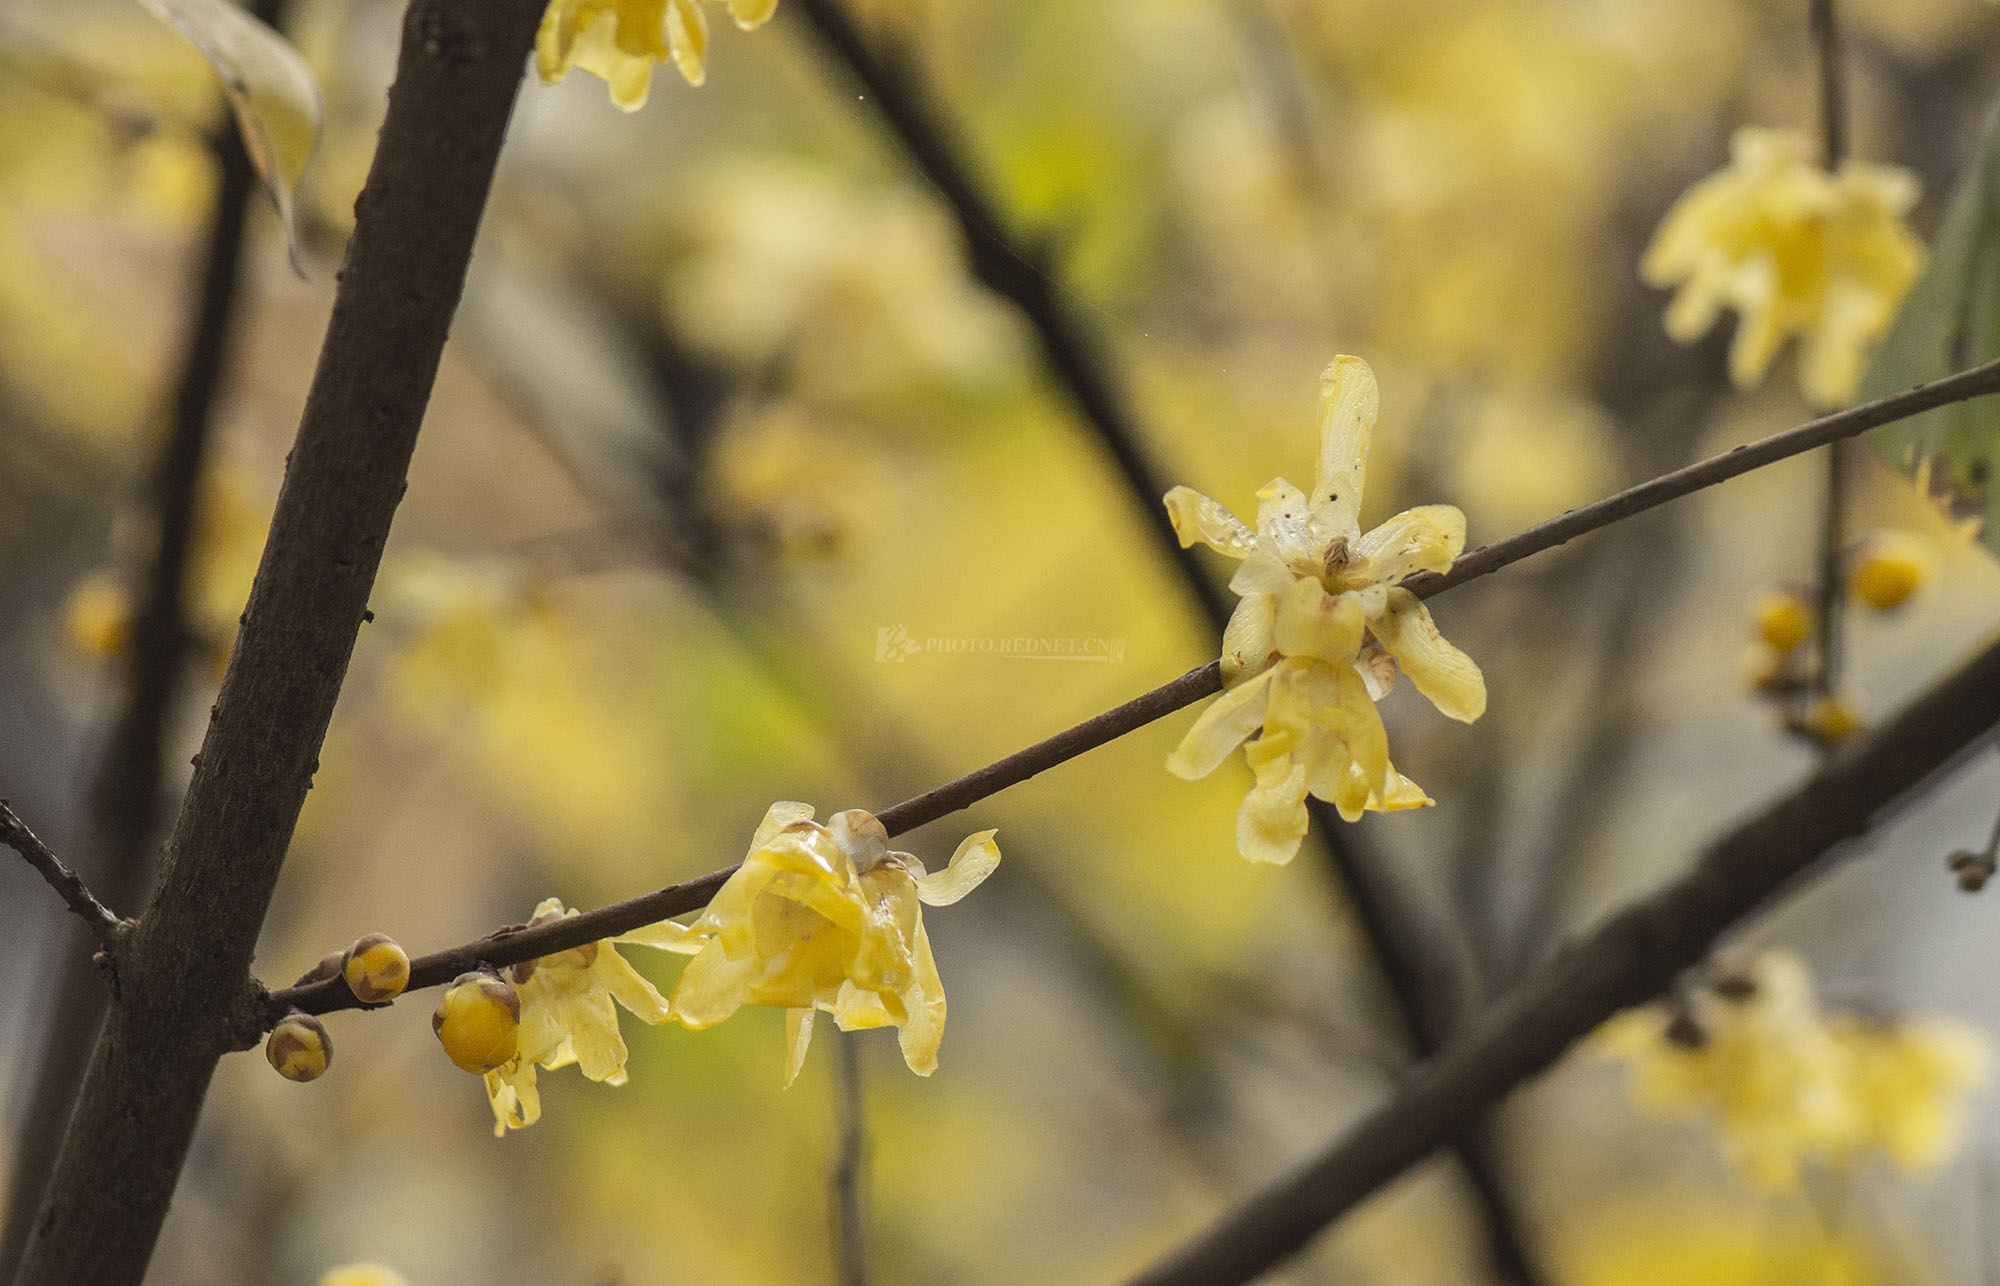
[514, 944]
[14, 833]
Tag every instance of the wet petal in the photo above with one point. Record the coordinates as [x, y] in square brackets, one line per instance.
[1402, 793]
[1221, 728]
[1424, 539]
[1284, 525]
[1348, 403]
[976, 858]
[1314, 623]
[1441, 672]
[1197, 519]
[786, 812]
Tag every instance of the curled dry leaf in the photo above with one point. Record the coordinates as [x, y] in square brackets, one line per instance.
[271, 90]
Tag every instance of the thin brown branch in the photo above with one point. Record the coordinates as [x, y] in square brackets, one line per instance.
[1628, 960]
[1855, 420]
[14, 833]
[513, 944]
[186, 978]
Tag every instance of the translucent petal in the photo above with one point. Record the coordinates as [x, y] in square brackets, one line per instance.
[1250, 643]
[667, 935]
[627, 986]
[923, 1031]
[1261, 574]
[798, 1038]
[1284, 526]
[687, 35]
[1197, 519]
[1403, 793]
[711, 988]
[786, 812]
[1348, 403]
[1313, 623]
[1441, 672]
[1221, 728]
[1350, 762]
[1424, 539]
[516, 1102]
[751, 14]
[1272, 820]
[976, 858]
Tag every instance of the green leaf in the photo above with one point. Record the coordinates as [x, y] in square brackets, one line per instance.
[271, 90]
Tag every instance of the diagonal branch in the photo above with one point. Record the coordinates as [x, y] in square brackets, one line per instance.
[187, 976]
[1628, 960]
[514, 944]
[14, 833]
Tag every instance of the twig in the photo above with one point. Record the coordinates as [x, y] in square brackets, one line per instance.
[1628, 960]
[1855, 420]
[187, 980]
[14, 833]
[849, 1175]
[514, 944]
[125, 798]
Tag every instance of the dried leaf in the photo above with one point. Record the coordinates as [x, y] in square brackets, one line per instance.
[271, 90]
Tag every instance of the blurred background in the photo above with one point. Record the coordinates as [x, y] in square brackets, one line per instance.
[724, 405]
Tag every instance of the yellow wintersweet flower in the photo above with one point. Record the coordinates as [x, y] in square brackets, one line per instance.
[620, 40]
[567, 1016]
[1793, 249]
[1785, 1083]
[1910, 1078]
[824, 917]
[1321, 632]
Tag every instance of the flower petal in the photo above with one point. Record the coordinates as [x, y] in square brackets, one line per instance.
[1424, 539]
[1272, 821]
[1441, 672]
[1348, 403]
[798, 1038]
[711, 988]
[1314, 623]
[1197, 519]
[1261, 573]
[628, 986]
[752, 14]
[1249, 642]
[1221, 728]
[786, 812]
[923, 1030]
[976, 858]
[667, 935]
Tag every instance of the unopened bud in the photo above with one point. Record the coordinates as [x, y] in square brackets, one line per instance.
[1827, 720]
[1784, 619]
[1887, 567]
[1973, 869]
[376, 969]
[479, 1022]
[299, 1047]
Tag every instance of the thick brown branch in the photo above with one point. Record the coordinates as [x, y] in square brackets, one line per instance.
[14, 833]
[1855, 420]
[1629, 959]
[187, 968]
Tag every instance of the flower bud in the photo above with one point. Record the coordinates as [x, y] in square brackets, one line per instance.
[1886, 568]
[299, 1047]
[479, 1022]
[376, 969]
[1827, 720]
[1784, 619]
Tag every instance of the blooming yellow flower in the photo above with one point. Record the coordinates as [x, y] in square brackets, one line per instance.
[824, 917]
[1321, 632]
[1785, 1083]
[1793, 249]
[567, 1016]
[620, 40]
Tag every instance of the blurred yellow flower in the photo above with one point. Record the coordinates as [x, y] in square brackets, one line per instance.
[363, 1275]
[1793, 249]
[567, 1016]
[620, 40]
[824, 917]
[1784, 1084]
[1321, 632]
